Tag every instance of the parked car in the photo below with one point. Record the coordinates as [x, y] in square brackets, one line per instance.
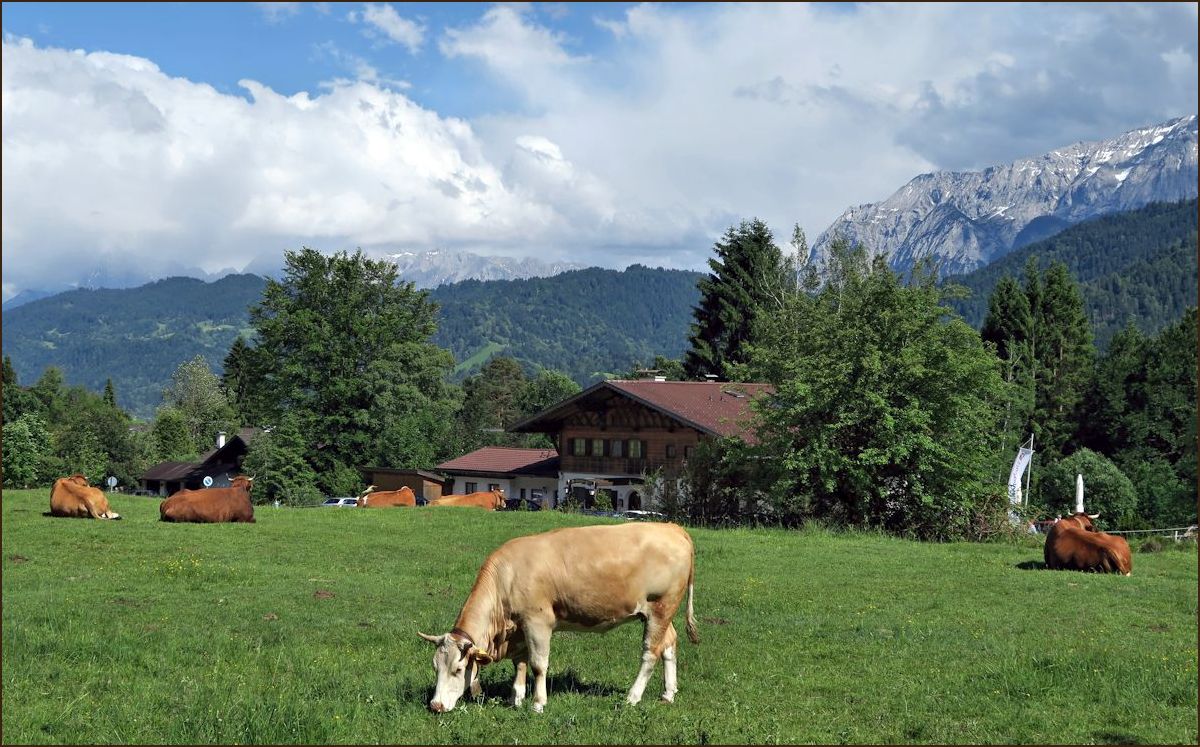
[144, 492]
[642, 516]
[341, 502]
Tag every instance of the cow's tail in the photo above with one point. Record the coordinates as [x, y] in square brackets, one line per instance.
[693, 633]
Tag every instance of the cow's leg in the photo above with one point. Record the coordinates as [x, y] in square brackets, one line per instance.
[518, 686]
[538, 641]
[652, 647]
[670, 685]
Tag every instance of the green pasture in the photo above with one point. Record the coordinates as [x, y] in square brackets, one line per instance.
[302, 628]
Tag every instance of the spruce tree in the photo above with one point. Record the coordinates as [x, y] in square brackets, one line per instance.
[1009, 326]
[1064, 351]
[747, 277]
[110, 394]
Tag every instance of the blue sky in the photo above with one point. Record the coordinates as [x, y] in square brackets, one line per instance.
[294, 47]
[145, 139]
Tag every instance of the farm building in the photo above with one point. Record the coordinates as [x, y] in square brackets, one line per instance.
[427, 485]
[222, 464]
[608, 437]
[530, 474]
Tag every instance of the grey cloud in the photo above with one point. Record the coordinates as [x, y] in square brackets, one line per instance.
[1106, 76]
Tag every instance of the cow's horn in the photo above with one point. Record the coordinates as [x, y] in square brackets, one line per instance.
[434, 639]
[1093, 516]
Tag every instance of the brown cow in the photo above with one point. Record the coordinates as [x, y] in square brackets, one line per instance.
[211, 505]
[590, 578]
[387, 498]
[73, 497]
[1074, 544]
[491, 500]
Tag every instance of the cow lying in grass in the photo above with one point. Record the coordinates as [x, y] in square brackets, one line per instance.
[1074, 544]
[387, 498]
[590, 578]
[73, 497]
[211, 505]
[492, 500]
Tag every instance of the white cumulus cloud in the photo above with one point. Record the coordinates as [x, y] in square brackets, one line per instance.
[383, 18]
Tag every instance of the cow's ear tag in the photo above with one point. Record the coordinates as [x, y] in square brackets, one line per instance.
[481, 656]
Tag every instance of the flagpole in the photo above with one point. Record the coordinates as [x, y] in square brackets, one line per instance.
[1028, 472]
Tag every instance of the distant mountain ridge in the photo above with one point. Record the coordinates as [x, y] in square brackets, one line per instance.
[585, 322]
[433, 268]
[970, 219]
[427, 269]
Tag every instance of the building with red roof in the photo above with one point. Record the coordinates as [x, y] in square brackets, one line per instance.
[608, 438]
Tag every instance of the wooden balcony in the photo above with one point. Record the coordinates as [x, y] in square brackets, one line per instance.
[609, 465]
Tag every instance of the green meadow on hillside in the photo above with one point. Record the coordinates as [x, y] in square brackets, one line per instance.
[302, 628]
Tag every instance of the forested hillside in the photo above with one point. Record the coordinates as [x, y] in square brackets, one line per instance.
[585, 323]
[1137, 267]
[135, 336]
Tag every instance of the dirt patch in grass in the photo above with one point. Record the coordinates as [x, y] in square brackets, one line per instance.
[322, 594]
[17, 559]
[715, 620]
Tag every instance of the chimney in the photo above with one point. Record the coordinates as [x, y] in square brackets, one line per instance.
[220, 439]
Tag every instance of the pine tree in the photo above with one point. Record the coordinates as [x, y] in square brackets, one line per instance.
[110, 394]
[748, 276]
[1064, 352]
[1009, 326]
[491, 403]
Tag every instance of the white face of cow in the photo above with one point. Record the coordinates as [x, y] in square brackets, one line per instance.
[455, 670]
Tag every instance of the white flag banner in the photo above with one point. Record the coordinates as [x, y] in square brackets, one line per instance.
[1014, 477]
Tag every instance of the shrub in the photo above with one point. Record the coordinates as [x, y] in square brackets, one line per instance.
[1107, 490]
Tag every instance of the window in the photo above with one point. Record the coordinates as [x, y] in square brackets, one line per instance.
[493, 486]
[687, 451]
[598, 447]
[616, 447]
[470, 487]
[522, 492]
[635, 448]
[670, 451]
[578, 446]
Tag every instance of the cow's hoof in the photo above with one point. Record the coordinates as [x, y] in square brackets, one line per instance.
[668, 697]
[538, 707]
[632, 701]
[516, 702]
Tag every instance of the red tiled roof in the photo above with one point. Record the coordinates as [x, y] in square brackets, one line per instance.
[713, 407]
[717, 407]
[505, 460]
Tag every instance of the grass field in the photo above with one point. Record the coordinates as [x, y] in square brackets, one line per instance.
[302, 628]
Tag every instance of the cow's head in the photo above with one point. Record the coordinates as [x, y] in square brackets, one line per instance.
[499, 503]
[78, 479]
[241, 481]
[1083, 521]
[456, 663]
[362, 497]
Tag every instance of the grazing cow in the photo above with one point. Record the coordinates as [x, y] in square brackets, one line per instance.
[1074, 544]
[492, 500]
[590, 578]
[211, 505]
[387, 498]
[73, 497]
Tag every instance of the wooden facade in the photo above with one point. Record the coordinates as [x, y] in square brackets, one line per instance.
[623, 437]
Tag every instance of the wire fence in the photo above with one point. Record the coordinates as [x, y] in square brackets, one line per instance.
[1176, 533]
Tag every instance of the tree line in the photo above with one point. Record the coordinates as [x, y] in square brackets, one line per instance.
[889, 411]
